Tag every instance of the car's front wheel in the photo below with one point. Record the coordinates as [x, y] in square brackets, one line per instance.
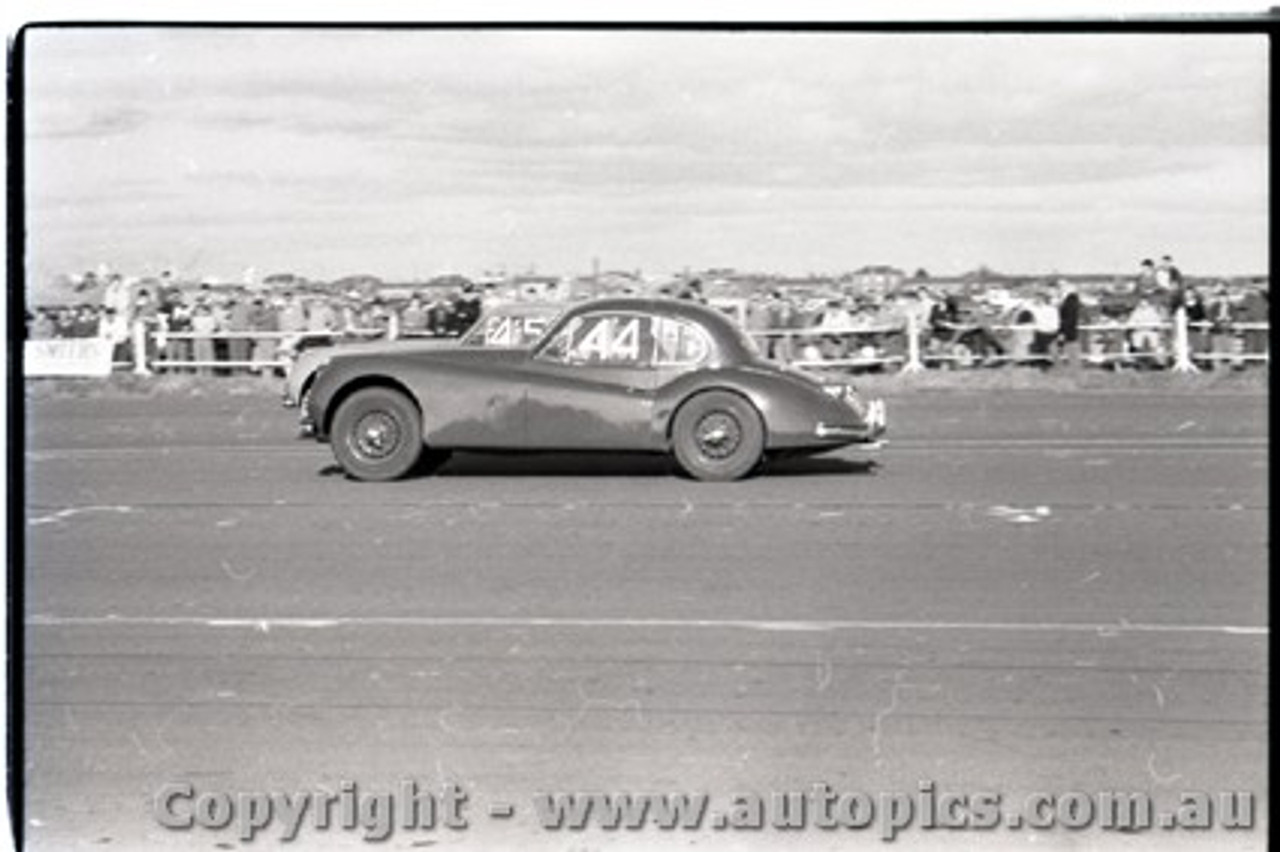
[718, 436]
[377, 434]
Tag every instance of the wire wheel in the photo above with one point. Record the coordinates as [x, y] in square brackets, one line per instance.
[718, 436]
[377, 434]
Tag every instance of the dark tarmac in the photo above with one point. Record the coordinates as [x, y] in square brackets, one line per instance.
[1028, 593]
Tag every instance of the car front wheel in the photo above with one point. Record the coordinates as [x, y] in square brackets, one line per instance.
[377, 434]
[718, 436]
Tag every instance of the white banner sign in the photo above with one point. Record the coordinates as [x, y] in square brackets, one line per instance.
[80, 356]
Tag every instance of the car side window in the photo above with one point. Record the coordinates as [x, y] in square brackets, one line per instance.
[603, 339]
[679, 343]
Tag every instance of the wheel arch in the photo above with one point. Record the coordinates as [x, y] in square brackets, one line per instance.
[669, 427]
[359, 383]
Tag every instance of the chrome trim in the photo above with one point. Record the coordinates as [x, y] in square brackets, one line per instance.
[824, 430]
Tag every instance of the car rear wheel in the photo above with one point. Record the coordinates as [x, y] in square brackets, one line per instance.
[718, 436]
[377, 434]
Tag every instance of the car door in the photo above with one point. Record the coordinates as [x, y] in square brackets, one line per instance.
[592, 385]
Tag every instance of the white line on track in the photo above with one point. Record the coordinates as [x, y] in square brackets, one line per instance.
[768, 625]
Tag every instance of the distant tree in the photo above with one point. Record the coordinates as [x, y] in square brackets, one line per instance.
[921, 274]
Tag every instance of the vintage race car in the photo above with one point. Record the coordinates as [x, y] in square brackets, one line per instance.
[633, 374]
[512, 325]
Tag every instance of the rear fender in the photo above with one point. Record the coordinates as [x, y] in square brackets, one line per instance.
[790, 407]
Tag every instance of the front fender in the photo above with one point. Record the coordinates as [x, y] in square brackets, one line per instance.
[342, 377]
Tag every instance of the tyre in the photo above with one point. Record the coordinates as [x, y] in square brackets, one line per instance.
[717, 436]
[377, 434]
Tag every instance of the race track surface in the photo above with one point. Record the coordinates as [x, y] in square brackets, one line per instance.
[1028, 593]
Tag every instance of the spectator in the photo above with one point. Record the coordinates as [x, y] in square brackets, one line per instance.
[835, 318]
[1254, 309]
[1146, 275]
[1221, 334]
[413, 319]
[779, 312]
[221, 312]
[438, 318]
[1069, 325]
[466, 310]
[1146, 337]
[1045, 325]
[321, 317]
[261, 320]
[238, 320]
[692, 291]
[1168, 277]
[42, 326]
[175, 318]
[116, 295]
[1198, 337]
[1022, 336]
[114, 327]
[293, 322]
[205, 325]
[64, 322]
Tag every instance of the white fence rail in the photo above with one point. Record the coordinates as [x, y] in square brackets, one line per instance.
[1178, 344]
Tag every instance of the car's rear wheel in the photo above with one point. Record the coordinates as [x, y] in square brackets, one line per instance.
[377, 434]
[718, 436]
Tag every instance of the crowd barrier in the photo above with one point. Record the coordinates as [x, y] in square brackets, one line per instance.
[1101, 344]
[1178, 345]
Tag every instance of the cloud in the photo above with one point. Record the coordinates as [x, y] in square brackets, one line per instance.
[303, 132]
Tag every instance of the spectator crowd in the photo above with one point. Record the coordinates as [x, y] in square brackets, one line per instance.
[1127, 324]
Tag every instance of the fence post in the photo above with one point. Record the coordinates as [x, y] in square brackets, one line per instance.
[913, 363]
[393, 326]
[140, 348]
[1182, 362]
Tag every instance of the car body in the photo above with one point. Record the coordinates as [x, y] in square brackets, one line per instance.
[619, 374]
[508, 325]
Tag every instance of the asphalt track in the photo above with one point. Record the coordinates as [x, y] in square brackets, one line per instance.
[1029, 593]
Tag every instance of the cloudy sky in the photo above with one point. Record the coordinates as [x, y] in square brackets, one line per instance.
[410, 153]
